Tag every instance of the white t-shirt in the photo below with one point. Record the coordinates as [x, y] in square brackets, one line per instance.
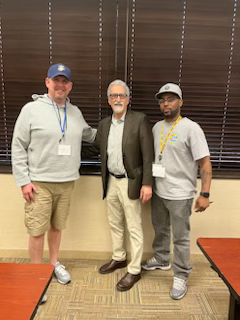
[186, 145]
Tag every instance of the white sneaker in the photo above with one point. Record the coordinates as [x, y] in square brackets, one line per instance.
[179, 288]
[153, 264]
[61, 274]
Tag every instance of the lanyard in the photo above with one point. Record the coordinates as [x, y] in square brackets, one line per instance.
[64, 126]
[163, 143]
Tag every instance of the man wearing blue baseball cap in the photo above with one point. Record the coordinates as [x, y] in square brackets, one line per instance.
[46, 150]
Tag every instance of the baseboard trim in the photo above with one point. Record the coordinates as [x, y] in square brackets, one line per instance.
[66, 254]
[72, 254]
[63, 254]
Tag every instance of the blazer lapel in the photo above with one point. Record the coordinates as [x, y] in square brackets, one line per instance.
[127, 129]
[105, 133]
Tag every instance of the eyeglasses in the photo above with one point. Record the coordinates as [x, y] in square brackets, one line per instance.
[116, 95]
[170, 99]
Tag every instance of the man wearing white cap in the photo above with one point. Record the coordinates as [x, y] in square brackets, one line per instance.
[180, 146]
[46, 150]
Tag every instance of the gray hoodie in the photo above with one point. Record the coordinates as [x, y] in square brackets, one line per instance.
[36, 138]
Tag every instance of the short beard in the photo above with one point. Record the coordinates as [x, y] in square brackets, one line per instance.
[118, 108]
[170, 115]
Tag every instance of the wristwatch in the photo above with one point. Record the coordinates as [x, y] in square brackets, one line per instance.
[205, 194]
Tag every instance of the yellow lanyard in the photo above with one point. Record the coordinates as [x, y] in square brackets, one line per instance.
[163, 143]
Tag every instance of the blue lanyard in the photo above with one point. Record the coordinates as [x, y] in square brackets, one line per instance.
[64, 121]
[59, 117]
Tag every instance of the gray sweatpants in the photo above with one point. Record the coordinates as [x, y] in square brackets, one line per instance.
[176, 213]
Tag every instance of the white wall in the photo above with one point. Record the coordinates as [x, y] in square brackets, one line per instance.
[87, 233]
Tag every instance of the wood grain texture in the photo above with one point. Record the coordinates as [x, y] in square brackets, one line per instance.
[21, 289]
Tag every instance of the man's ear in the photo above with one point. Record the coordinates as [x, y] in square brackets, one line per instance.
[46, 82]
[71, 85]
[181, 103]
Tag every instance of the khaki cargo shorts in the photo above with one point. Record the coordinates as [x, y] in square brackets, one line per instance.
[51, 207]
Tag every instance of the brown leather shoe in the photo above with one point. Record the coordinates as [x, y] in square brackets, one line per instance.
[112, 265]
[128, 281]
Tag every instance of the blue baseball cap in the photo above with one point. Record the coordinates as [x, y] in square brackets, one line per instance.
[59, 69]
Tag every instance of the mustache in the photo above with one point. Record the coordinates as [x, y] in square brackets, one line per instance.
[118, 104]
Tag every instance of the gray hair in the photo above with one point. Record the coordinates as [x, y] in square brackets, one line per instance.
[118, 83]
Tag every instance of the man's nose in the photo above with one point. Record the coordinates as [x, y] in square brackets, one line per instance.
[118, 98]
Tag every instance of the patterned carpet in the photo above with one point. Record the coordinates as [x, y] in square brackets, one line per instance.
[93, 296]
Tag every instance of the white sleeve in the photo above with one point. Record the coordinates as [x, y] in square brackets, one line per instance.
[198, 142]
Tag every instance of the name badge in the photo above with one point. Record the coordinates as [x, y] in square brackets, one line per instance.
[64, 150]
[158, 170]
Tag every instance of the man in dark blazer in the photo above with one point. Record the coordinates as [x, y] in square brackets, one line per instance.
[124, 141]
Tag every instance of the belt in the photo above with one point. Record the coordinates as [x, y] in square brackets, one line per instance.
[118, 176]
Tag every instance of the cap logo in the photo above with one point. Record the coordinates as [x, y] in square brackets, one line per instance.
[166, 88]
[61, 68]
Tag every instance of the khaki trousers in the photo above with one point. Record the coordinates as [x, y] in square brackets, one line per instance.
[120, 208]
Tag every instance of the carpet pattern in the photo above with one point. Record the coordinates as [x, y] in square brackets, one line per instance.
[93, 296]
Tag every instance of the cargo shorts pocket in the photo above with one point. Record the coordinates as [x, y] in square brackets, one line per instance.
[29, 215]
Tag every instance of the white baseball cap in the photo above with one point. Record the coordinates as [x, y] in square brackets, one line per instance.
[171, 88]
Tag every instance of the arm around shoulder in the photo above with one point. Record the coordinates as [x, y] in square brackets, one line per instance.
[94, 148]
[89, 134]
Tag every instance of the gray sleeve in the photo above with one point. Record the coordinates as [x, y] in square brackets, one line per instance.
[20, 143]
[89, 133]
[198, 142]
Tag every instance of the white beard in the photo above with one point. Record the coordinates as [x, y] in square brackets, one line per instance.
[118, 108]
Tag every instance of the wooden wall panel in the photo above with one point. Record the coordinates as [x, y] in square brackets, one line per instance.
[145, 42]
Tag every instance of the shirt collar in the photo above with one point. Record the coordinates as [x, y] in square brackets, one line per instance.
[115, 121]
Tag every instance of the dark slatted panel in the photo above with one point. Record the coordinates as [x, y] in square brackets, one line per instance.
[4, 152]
[4, 148]
[148, 43]
[83, 34]
[154, 50]
[207, 50]
[230, 148]
[25, 57]
[194, 43]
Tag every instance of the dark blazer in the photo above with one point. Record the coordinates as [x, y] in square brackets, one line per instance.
[137, 148]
